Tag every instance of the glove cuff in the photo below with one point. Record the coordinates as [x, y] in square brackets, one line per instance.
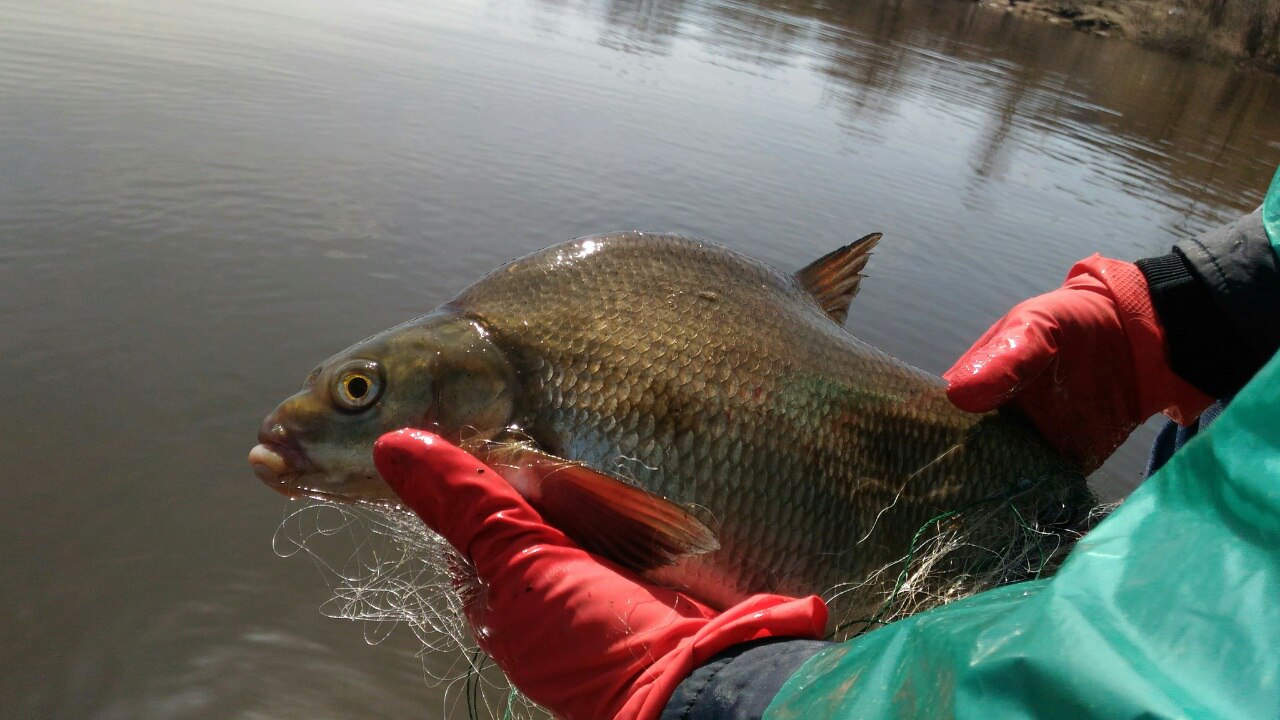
[1205, 346]
[1159, 388]
[756, 618]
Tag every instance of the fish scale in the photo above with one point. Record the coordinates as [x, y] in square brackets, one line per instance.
[701, 376]
[733, 392]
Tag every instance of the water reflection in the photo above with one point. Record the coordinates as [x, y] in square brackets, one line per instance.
[642, 25]
[1140, 118]
[758, 32]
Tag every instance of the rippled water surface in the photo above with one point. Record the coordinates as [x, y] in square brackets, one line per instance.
[199, 200]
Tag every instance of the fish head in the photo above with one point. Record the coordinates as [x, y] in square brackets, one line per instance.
[441, 372]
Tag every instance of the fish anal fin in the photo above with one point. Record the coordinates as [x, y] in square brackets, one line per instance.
[606, 516]
[833, 279]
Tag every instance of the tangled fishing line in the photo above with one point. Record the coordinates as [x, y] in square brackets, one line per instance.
[960, 553]
[387, 570]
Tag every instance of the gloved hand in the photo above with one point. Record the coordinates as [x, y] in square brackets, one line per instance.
[576, 633]
[1087, 363]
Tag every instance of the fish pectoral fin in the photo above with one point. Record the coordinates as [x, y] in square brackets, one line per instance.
[608, 517]
[833, 279]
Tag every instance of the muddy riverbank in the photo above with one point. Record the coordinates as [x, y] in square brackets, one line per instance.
[1245, 32]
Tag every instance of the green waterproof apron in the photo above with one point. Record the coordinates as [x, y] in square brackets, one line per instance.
[1271, 212]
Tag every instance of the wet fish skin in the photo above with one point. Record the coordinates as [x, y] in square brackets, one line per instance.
[702, 376]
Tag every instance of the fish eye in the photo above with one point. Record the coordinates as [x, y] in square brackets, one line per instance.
[357, 385]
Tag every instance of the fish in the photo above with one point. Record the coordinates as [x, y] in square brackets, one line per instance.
[688, 412]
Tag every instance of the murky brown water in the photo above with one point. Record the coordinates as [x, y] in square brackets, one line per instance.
[199, 200]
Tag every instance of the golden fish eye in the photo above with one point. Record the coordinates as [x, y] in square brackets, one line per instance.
[357, 386]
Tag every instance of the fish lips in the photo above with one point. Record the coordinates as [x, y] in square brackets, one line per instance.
[287, 470]
[280, 467]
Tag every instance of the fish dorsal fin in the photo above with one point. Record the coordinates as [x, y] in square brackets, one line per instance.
[606, 516]
[833, 279]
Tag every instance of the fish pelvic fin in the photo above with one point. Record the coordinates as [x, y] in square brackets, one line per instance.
[833, 279]
[604, 515]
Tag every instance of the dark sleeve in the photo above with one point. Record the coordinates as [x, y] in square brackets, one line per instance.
[1218, 298]
[739, 683]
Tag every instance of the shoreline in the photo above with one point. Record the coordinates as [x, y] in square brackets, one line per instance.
[1246, 35]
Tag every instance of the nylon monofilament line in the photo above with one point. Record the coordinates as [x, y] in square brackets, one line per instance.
[387, 570]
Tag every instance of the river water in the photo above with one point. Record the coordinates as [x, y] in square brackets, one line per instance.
[200, 200]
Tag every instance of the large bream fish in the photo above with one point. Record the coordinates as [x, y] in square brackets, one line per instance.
[684, 410]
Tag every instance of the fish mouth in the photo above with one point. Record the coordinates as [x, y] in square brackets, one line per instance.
[288, 471]
[280, 467]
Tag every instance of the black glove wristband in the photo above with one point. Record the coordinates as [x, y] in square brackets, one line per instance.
[1204, 348]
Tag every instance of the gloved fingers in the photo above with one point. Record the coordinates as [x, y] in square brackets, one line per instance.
[1014, 352]
[1083, 409]
[408, 459]
[1085, 363]
[460, 497]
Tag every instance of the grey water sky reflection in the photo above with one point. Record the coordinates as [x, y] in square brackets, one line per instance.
[1140, 121]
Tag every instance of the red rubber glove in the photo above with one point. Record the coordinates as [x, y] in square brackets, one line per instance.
[1086, 363]
[576, 633]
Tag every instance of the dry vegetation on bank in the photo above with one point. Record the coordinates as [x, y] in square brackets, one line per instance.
[1246, 31]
